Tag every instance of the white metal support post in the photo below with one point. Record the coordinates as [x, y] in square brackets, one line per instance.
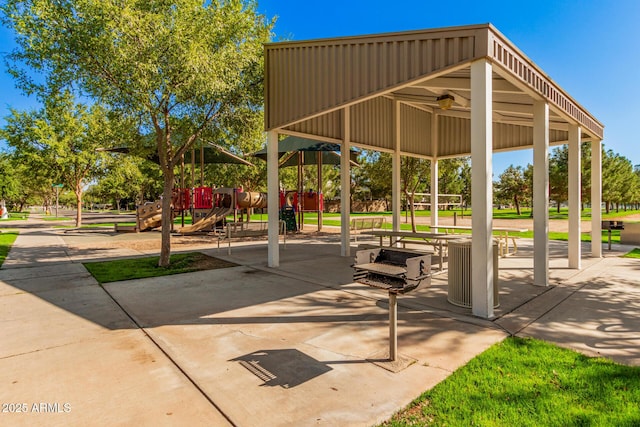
[434, 170]
[273, 189]
[396, 206]
[481, 189]
[596, 198]
[540, 193]
[434, 192]
[575, 253]
[345, 184]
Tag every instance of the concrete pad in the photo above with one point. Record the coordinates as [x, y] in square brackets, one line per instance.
[36, 246]
[284, 384]
[57, 318]
[48, 281]
[532, 310]
[602, 317]
[294, 345]
[41, 272]
[118, 379]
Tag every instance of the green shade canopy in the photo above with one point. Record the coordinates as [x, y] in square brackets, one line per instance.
[310, 148]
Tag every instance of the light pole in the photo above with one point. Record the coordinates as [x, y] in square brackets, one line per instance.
[57, 187]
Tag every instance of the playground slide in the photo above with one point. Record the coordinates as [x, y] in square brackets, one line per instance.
[215, 215]
[149, 215]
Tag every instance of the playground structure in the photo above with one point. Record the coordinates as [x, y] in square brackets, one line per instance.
[211, 207]
[300, 152]
[149, 215]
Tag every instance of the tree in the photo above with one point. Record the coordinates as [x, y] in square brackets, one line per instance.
[620, 184]
[512, 185]
[454, 177]
[374, 175]
[9, 180]
[61, 140]
[184, 68]
[559, 175]
[585, 166]
[528, 178]
[414, 174]
[122, 179]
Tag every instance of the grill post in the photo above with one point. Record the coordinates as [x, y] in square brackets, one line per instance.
[393, 326]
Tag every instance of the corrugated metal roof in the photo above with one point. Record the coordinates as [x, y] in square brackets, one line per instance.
[308, 82]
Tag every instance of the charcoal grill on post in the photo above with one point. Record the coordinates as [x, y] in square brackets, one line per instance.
[396, 271]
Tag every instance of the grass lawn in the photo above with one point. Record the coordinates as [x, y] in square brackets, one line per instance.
[138, 268]
[633, 254]
[525, 213]
[6, 240]
[527, 382]
[16, 216]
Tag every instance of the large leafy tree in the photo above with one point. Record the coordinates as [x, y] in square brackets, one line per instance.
[373, 177]
[559, 175]
[122, 179]
[60, 140]
[619, 184]
[414, 175]
[512, 185]
[454, 177]
[183, 67]
[31, 186]
[9, 180]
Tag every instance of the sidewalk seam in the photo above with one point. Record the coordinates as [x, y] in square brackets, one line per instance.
[186, 375]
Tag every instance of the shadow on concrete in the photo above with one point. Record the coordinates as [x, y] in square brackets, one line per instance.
[289, 367]
[200, 297]
[286, 368]
[601, 319]
[301, 290]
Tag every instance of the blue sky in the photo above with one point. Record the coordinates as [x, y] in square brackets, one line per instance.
[591, 48]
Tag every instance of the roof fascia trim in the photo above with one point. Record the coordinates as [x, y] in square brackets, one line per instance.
[505, 54]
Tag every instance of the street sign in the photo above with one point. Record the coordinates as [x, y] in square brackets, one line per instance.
[58, 185]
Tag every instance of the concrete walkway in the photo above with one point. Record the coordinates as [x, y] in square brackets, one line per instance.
[253, 346]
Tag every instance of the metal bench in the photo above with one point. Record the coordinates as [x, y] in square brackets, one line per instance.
[365, 223]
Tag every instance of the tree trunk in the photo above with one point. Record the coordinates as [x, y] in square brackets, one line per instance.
[167, 219]
[410, 198]
[517, 203]
[78, 206]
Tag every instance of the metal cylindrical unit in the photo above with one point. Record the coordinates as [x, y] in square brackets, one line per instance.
[459, 273]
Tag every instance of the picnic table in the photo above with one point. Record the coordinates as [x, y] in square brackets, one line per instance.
[503, 236]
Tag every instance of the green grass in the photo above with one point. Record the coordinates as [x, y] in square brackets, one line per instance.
[139, 268]
[327, 219]
[6, 241]
[15, 216]
[527, 382]
[633, 254]
[553, 235]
